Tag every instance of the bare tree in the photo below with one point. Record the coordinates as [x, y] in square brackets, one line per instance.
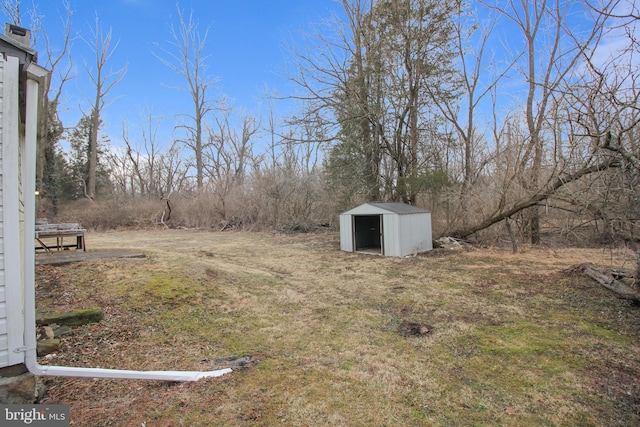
[11, 9]
[60, 65]
[143, 167]
[606, 111]
[186, 57]
[339, 92]
[477, 84]
[145, 153]
[547, 61]
[59, 61]
[228, 155]
[545, 155]
[103, 81]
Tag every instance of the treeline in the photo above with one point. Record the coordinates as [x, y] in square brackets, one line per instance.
[505, 117]
[146, 184]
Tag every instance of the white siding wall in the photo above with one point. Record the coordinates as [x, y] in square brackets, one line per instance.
[4, 345]
[10, 242]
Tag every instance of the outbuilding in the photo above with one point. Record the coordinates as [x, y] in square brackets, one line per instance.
[386, 228]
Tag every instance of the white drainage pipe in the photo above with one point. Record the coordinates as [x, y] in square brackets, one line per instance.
[36, 74]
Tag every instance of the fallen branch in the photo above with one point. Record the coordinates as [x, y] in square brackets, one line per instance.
[607, 278]
[543, 194]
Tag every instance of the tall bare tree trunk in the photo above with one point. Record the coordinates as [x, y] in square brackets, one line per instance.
[93, 152]
[198, 148]
[103, 83]
[186, 57]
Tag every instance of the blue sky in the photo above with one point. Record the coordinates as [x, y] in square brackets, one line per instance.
[246, 46]
[246, 50]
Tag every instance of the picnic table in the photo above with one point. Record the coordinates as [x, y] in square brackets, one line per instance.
[59, 232]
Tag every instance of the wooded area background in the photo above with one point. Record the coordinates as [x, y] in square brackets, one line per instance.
[419, 101]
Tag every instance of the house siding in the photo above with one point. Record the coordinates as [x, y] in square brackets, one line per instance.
[10, 225]
[4, 345]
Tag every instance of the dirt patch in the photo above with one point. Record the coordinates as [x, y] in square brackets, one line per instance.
[414, 329]
[234, 362]
[619, 383]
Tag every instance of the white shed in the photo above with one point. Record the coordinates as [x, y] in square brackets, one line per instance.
[386, 228]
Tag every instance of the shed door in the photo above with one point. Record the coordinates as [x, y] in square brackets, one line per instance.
[368, 234]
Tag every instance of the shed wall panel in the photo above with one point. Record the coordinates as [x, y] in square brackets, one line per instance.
[391, 238]
[415, 234]
[346, 233]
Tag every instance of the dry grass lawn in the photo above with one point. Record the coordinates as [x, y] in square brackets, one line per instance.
[517, 340]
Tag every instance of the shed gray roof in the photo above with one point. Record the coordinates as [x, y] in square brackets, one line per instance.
[399, 208]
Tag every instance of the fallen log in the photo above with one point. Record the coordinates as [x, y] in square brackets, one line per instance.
[609, 279]
[71, 318]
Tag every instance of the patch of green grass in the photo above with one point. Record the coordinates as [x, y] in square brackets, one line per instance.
[502, 374]
[605, 333]
[158, 286]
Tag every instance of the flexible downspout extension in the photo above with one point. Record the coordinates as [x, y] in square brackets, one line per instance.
[29, 168]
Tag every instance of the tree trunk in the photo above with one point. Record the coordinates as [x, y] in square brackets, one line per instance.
[93, 152]
[512, 236]
[198, 148]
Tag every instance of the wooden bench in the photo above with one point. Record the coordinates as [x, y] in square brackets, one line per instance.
[59, 232]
